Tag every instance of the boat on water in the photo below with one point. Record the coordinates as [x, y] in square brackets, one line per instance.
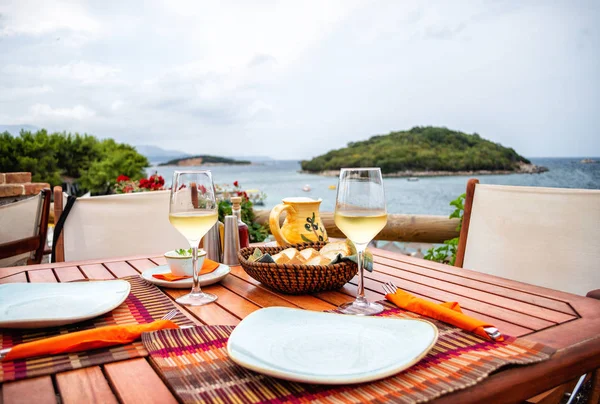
[412, 179]
[306, 188]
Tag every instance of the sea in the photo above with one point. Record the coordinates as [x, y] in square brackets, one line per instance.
[427, 196]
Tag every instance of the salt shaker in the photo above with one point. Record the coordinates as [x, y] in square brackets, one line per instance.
[212, 243]
[232, 241]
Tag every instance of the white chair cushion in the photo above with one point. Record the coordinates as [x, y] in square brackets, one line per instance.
[120, 225]
[544, 236]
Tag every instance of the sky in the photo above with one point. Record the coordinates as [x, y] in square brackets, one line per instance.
[294, 79]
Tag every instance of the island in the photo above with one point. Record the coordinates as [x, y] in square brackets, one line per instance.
[204, 160]
[424, 151]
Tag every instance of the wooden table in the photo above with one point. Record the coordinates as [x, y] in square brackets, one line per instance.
[567, 322]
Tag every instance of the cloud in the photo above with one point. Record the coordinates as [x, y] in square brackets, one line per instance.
[83, 72]
[41, 112]
[36, 18]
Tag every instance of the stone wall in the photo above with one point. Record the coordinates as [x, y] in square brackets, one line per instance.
[16, 186]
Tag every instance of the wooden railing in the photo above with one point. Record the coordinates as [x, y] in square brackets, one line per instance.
[414, 228]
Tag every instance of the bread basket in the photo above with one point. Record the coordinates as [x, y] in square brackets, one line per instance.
[297, 279]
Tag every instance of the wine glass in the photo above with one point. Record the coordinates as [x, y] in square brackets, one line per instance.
[360, 213]
[193, 211]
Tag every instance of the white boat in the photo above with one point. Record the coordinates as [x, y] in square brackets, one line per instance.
[306, 188]
[412, 179]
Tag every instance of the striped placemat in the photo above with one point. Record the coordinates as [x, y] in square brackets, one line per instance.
[195, 364]
[144, 304]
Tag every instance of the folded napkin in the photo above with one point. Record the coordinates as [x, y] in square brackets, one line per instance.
[208, 267]
[84, 340]
[449, 312]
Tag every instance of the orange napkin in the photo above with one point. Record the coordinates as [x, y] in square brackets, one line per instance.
[449, 312]
[207, 267]
[84, 340]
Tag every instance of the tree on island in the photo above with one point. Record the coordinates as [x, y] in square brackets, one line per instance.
[421, 149]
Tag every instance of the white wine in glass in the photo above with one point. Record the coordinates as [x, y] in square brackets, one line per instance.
[360, 213]
[193, 211]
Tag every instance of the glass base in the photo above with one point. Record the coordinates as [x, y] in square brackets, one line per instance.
[196, 299]
[361, 307]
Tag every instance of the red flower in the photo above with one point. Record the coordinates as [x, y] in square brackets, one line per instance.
[236, 184]
[145, 183]
[202, 189]
[122, 178]
[128, 189]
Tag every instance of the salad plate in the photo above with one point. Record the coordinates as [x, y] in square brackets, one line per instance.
[208, 279]
[35, 305]
[327, 348]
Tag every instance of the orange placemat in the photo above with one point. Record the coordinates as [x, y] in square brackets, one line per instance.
[144, 304]
[195, 364]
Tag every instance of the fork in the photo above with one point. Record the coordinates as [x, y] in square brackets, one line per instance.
[492, 332]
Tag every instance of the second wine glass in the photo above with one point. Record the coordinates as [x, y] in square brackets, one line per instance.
[360, 213]
[193, 211]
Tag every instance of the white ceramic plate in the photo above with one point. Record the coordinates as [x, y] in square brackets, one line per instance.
[35, 305]
[221, 272]
[326, 348]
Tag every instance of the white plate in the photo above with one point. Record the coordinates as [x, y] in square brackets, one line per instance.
[34, 305]
[208, 279]
[326, 348]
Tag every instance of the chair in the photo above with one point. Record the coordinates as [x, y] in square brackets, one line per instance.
[115, 226]
[23, 229]
[548, 237]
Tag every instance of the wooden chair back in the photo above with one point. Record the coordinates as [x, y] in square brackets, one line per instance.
[23, 229]
[548, 237]
[115, 226]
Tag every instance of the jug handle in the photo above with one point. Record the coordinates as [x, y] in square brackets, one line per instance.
[274, 223]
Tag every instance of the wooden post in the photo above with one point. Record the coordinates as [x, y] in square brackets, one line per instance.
[414, 228]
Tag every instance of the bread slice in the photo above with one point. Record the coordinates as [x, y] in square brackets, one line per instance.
[281, 258]
[309, 253]
[318, 260]
[290, 252]
[338, 247]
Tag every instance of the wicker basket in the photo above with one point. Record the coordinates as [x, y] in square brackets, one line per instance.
[297, 279]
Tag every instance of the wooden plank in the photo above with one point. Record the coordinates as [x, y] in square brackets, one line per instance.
[96, 271]
[307, 302]
[42, 275]
[68, 274]
[141, 264]
[210, 314]
[259, 296]
[86, 385]
[455, 276]
[121, 269]
[470, 274]
[38, 390]
[502, 313]
[502, 300]
[232, 302]
[18, 277]
[160, 261]
[372, 292]
[134, 381]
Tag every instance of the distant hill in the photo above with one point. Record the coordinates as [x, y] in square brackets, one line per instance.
[157, 154]
[204, 160]
[424, 151]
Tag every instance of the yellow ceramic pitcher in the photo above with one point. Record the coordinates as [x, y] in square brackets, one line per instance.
[302, 224]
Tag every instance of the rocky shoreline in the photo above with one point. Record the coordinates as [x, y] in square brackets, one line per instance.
[522, 169]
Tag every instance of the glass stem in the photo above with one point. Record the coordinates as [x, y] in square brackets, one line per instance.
[196, 271]
[360, 250]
